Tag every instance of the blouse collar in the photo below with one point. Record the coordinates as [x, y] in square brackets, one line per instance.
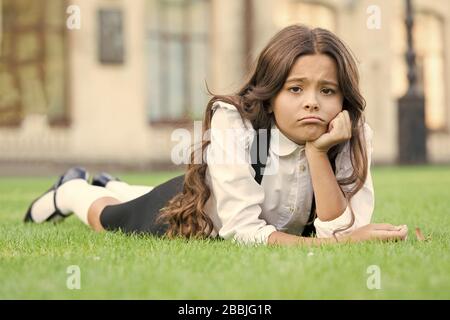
[280, 144]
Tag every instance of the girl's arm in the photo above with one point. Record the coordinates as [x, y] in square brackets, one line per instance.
[330, 201]
[374, 231]
[362, 203]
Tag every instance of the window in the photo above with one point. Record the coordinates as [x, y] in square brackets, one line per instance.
[429, 44]
[178, 49]
[32, 60]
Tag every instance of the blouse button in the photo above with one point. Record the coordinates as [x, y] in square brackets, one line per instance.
[302, 168]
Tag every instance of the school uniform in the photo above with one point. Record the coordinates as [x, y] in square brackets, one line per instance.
[241, 208]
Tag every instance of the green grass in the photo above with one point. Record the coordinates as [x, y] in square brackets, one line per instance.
[34, 258]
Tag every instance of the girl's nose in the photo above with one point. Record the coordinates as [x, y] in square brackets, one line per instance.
[311, 106]
[310, 102]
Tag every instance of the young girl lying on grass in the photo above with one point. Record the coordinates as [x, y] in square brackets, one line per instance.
[301, 110]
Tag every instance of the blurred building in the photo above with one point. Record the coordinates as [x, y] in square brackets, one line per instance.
[107, 81]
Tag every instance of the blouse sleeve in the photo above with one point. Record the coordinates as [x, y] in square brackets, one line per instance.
[238, 196]
[362, 202]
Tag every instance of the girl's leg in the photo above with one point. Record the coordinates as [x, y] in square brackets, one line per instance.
[96, 209]
[76, 196]
[126, 192]
[139, 215]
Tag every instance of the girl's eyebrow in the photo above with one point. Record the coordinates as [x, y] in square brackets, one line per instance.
[304, 79]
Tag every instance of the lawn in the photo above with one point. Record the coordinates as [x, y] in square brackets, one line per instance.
[36, 260]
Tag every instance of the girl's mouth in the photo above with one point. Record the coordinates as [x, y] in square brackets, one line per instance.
[312, 120]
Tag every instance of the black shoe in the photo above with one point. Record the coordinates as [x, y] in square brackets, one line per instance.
[71, 174]
[102, 179]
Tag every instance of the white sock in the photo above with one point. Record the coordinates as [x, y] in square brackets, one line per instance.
[73, 196]
[43, 208]
[125, 192]
[77, 196]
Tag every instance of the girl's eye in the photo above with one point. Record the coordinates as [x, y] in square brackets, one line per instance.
[328, 91]
[295, 89]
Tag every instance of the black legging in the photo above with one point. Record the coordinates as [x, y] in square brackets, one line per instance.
[139, 215]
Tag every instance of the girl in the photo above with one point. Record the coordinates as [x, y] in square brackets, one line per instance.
[312, 186]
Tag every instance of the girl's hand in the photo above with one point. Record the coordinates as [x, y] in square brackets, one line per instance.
[377, 231]
[339, 130]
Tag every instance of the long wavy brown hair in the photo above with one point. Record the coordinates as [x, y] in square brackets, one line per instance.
[185, 214]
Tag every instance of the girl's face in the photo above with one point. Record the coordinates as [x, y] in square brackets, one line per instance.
[309, 100]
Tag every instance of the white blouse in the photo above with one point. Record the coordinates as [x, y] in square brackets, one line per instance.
[246, 212]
